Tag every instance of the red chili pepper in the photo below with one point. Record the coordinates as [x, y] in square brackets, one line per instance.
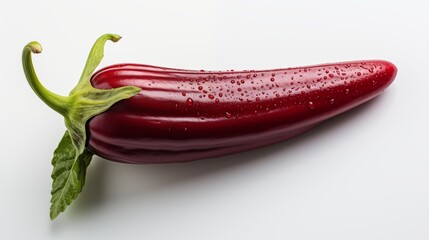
[184, 115]
[144, 114]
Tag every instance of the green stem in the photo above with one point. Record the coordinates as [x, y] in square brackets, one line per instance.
[71, 158]
[53, 100]
[94, 58]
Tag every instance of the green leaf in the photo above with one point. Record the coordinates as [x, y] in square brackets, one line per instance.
[68, 175]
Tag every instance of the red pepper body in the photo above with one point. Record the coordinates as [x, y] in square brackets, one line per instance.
[185, 115]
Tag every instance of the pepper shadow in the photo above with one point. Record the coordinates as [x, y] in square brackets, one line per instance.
[149, 181]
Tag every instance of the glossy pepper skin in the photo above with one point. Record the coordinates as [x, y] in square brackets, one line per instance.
[185, 115]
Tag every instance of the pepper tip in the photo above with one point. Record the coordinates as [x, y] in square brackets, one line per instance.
[115, 37]
[34, 47]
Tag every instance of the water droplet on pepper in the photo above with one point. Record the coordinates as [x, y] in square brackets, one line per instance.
[189, 102]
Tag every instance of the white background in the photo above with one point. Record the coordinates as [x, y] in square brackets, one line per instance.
[362, 175]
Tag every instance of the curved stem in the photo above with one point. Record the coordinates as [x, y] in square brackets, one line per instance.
[53, 100]
[94, 58]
